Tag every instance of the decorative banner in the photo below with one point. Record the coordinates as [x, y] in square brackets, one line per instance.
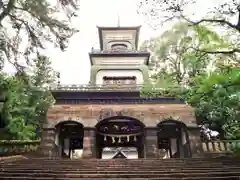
[105, 138]
[128, 138]
[119, 135]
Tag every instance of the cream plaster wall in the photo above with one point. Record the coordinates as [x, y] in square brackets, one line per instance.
[119, 73]
[118, 35]
[126, 61]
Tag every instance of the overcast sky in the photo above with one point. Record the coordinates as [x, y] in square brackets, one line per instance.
[74, 64]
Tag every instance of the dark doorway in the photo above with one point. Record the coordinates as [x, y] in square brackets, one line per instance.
[120, 132]
[69, 137]
[173, 138]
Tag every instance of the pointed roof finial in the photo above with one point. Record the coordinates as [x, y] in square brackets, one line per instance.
[118, 20]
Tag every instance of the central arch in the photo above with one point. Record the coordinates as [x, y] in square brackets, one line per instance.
[120, 134]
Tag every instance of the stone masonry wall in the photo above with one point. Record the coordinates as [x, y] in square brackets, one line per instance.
[195, 141]
[149, 114]
[89, 143]
[89, 115]
[47, 142]
[150, 142]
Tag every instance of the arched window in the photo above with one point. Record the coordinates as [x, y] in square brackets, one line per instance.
[119, 47]
[116, 44]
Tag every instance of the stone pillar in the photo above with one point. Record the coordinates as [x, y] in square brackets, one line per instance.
[195, 140]
[47, 145]
[150, 142]
[89, 143]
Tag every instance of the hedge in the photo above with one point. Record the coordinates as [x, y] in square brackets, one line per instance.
[16, 147]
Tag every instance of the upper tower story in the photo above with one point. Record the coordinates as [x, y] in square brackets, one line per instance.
[118, 60]
[118, 38]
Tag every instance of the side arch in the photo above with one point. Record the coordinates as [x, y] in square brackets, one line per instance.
[173, 137]
[70, 122]
[52, 123]
[69, 139]
[171, 122]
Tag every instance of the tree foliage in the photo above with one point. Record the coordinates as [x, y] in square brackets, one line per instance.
[175, 56]
[224, 15]
[215, 97]
[27, 100]
[214, 93]
[26, 26]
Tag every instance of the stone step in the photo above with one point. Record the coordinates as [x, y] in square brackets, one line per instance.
[119, 175]
[113, 169]
[95, 160]
[116, 162]
[119, 166]
[128, 160]
[145, 160]
[159, 178]
[120, 171]
[119, 163]
[41, 168]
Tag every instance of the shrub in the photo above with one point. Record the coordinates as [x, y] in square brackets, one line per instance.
[14, 147]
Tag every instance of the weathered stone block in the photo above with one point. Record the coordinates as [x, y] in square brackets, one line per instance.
[149, 114]
[195, 141]
[150, 142]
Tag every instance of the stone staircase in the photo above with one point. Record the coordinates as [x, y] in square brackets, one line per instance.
[119, 169]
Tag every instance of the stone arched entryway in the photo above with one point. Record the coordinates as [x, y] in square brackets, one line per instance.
[69, 139]
[173, 137]
[120, 132]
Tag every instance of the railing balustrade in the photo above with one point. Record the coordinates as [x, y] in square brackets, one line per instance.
[220, 146]
[15, 147]
[101, 87]
[112, 51]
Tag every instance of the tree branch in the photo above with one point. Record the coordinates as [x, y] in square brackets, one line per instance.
[227, 52]
[7, 10]
[238, 23]
[236, 50]
[230, 84]
[220, 21]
